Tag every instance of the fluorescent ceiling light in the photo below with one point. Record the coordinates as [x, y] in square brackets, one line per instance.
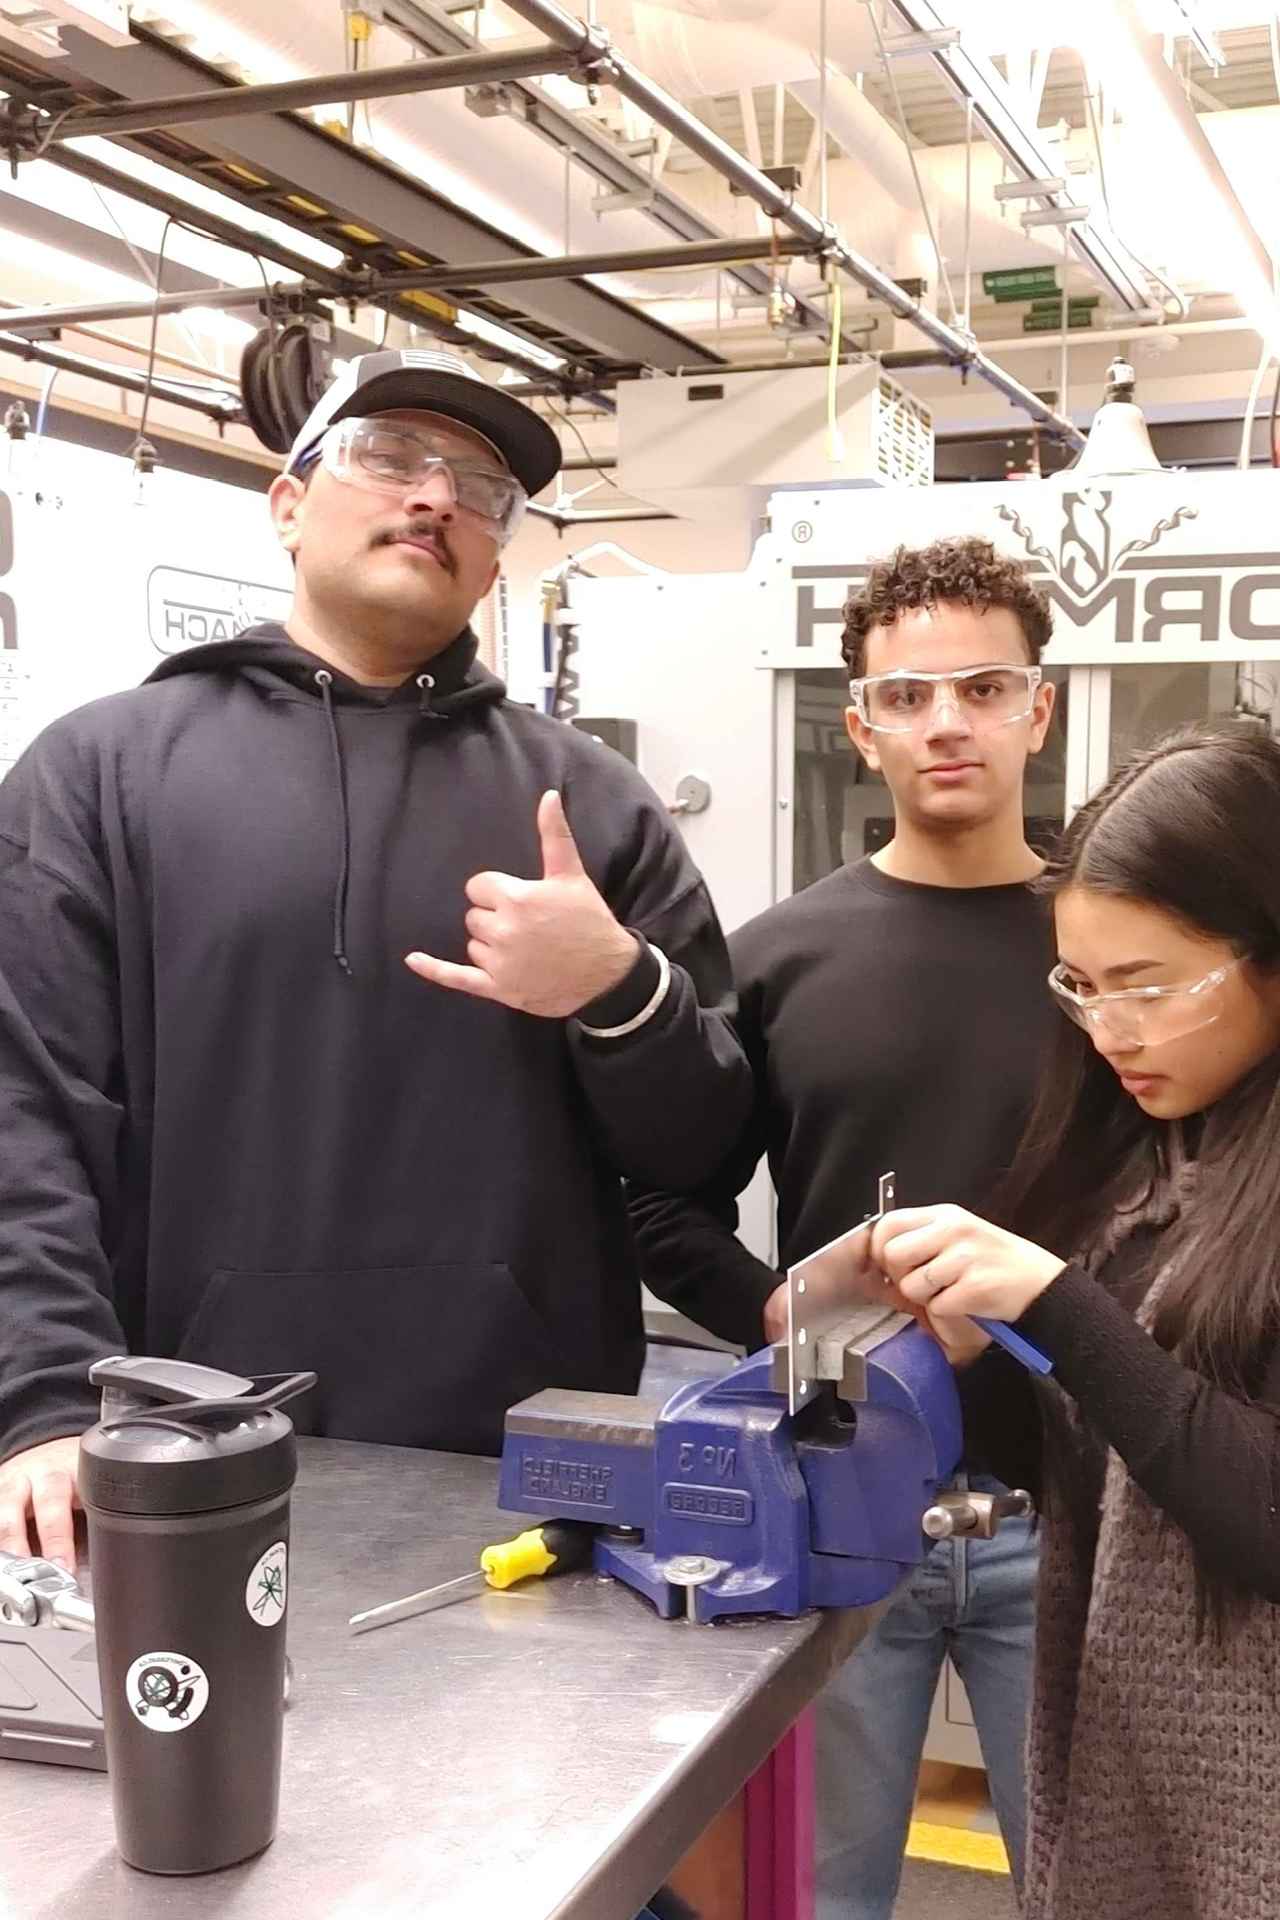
[1027, 26]
[105, 19]
[222, 326]
[85, 276]
[147, 173]
[510, 342]
[37, 22]
[53, 189]
[212, 38]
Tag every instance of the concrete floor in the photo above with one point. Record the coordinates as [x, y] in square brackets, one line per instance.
[953, 1893]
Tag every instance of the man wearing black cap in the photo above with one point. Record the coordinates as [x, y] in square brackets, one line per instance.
[234, 1126]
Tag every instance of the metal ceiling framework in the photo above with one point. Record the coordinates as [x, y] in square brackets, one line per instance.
[579, 139]
[243, 128]
[595, 50]
[365, 289]
[381, 219]
[968, 80]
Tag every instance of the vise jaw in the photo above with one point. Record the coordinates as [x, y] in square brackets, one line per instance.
[721, 1501]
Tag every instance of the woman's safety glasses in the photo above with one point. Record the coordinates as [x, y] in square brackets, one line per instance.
[388, 458]
[1146, 1016]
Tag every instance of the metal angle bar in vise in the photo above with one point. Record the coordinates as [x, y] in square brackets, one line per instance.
[829, 1336]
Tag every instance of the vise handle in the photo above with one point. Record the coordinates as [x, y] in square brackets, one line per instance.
[974, 1515]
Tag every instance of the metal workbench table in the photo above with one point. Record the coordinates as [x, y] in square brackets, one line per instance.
[552, 1751]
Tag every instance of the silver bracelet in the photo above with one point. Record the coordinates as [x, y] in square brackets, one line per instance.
[646, 1012]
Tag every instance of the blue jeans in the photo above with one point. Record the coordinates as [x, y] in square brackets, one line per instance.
[974, 1600]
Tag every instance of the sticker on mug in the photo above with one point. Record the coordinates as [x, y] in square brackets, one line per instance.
[267, 1588]
[166, 1691]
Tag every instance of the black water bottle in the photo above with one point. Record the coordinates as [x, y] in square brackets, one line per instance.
[186, 1482]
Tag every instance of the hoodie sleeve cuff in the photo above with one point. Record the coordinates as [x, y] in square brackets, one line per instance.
[634, 1000]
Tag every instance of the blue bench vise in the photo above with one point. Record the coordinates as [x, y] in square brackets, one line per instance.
[721, 1501]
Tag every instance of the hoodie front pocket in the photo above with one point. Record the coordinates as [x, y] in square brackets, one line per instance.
[411, 1356]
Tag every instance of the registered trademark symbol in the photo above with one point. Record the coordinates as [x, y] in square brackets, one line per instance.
[802, 531]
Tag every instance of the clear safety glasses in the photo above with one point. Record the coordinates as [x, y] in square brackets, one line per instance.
[1147, 1016]
[387, 458]
[984, 697]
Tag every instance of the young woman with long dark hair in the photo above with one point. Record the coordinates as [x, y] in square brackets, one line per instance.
[1152, 1172]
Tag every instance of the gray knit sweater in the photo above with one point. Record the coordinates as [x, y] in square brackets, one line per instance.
[1154, 1774]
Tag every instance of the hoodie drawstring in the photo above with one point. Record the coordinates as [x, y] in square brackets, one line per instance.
[324, 680]
[426, 687]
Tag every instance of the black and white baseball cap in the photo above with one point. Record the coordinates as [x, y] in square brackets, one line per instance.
[438, 383]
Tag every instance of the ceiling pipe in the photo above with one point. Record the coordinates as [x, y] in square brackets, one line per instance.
[595, 48]
[223, 408]
[693, 55]
[368, 288]
[680, 255]
[39, 320]
[603, 516]
[429, 28]
[232, 102]
[162, 357]
[685, 46]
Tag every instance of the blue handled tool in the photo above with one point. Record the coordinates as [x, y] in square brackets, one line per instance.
[1024, 1350]
[1004, 1336]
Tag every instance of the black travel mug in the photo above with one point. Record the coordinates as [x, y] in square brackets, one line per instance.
[186, 1482]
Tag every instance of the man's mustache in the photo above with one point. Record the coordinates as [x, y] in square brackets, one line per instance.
[427, 531]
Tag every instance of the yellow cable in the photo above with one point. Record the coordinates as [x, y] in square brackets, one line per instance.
[834, 440]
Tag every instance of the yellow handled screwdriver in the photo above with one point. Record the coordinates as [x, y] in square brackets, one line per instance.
[557, 1547]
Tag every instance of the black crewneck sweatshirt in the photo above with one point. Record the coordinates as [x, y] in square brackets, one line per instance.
[890, 1026]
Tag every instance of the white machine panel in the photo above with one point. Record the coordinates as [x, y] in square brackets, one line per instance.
[1173, 567]
[98, 582]
[714, 445]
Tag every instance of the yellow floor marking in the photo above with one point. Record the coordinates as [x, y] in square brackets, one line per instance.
[957, 1847]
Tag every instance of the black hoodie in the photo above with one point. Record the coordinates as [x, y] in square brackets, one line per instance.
[234, 1127]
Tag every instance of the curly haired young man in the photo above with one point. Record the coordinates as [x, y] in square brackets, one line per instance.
[895, 1015]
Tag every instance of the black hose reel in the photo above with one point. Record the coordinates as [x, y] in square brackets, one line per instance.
[283, 372]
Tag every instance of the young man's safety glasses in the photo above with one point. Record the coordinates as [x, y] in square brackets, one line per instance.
[984, 697]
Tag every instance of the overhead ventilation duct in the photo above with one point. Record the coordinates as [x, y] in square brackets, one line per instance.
[684, 46]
